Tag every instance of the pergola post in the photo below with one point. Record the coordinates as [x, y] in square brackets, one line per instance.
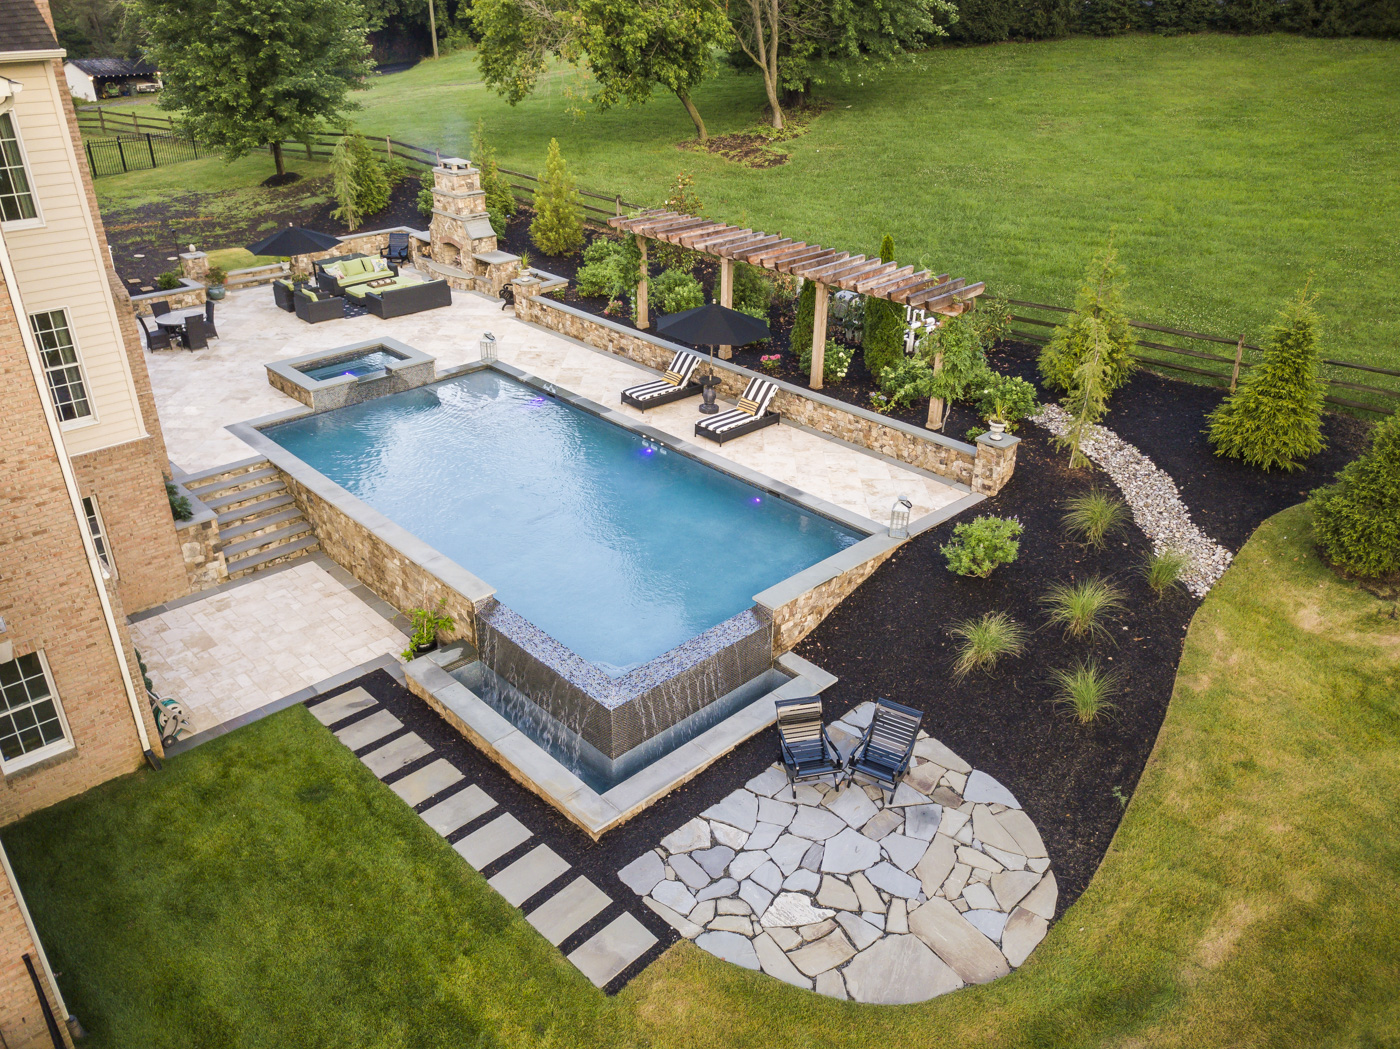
[726, 296]
[936, 414]
[819, 336]
[642, 321]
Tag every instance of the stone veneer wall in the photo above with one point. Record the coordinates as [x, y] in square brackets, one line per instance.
[185, 297]
[797, 618]
[392, 575]
[201, 550]
[323, 398]
[954, 460]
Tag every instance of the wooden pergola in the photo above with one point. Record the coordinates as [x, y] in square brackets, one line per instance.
[826, 268]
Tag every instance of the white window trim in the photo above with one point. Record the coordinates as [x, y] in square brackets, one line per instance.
[109, 565]
[91, 418]
[59, 746]
[37, 222]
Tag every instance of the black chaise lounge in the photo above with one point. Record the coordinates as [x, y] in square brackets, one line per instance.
[885, 750]
[675, 385]
[805, 747]
[751, 414]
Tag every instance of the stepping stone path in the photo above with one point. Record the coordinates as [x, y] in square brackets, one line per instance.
[434, 787]
[841, 891]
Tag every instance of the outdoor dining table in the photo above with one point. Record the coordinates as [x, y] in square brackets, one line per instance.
[175, 320]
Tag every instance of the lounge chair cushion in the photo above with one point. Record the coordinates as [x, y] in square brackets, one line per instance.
[674, 378]
[746, 405]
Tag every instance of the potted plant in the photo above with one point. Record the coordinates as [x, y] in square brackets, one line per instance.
[214, 283]
[426, 624]
[996, 421]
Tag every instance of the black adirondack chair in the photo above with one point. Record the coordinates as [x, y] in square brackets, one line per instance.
[887, 746]
[805, 747]
[397, 251]
[196, 335]
[209, 319]
[157, 339]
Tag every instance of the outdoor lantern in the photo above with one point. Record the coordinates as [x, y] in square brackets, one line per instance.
[488, 348]
[899, 518]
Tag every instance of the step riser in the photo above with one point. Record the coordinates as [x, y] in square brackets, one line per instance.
[280, 536]
[199, 480]
[258, 493]
[272, 522]
[249, 480]
[253, 511]
[235, 572]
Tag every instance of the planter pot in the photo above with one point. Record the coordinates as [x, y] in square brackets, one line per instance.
[996, 426]
[215, 292]
[423, 650]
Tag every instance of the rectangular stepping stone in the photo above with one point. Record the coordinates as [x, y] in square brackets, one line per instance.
[529, 874]
[427, 781]
[617, 946]
[340, 707]
[363, 733]
[395, 755]
[492, 841]
[459, 810]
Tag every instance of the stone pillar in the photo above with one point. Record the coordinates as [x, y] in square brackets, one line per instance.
[194, 265]
[642, 321]
[996, 461]
[819, 336]
[459, 215]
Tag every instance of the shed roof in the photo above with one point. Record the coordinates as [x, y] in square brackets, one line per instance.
[25, 28]
[112, 67]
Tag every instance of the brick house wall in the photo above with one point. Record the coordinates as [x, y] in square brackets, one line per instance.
[21, 1017]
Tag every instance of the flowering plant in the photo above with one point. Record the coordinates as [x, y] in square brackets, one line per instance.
[769, 362]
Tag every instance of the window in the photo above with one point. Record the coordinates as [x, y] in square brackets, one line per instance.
[16, 199]
[31, 721]
[61, 365]
[99, 538]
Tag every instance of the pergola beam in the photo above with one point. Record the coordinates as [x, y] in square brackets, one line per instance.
[869, 268]
[868, 285]
[756, 258]
[797, 263]
[743, 247]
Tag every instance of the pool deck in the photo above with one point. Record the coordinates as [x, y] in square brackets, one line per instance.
[200, 393]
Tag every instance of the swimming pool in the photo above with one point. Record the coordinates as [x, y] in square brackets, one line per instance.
[619, 548]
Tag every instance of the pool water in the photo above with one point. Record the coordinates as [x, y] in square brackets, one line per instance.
[617, 548]
[374, 361]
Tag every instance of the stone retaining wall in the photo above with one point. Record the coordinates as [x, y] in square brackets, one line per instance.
[200, 546]
[798, 605]
[984, 468]
[188, 295]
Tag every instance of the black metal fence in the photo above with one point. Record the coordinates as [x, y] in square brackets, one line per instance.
[135, 152]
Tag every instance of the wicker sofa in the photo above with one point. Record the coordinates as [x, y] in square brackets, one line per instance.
[411, 298]
[335, 276]
[313, 307]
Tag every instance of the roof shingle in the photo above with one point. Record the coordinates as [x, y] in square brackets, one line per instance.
[24, 27]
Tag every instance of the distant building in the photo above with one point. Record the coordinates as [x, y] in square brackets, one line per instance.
[95, 78]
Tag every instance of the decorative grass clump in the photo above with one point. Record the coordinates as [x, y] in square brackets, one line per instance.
[1083, 690]
[1081, 607]
[1163, 570]
[1093, 517]
[986, 640]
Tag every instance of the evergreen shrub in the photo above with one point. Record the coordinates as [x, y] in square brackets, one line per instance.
[1098, 326]
[1274, 419]
[498, 194]
[836, 361]
[753, 291]
[804, 320]
[676, 290]
[611, 268]
[883, 336]
[979, 546]
[558, 225]
[1357, 519]
[1010, 395]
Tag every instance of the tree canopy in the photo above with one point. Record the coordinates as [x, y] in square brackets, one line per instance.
[249, 75]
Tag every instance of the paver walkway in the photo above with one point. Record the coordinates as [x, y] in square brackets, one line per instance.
[234, 649]
[199, 394]
[843, 892]
[526, 872]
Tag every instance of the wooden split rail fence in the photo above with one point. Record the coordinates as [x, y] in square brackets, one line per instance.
[1344, 385]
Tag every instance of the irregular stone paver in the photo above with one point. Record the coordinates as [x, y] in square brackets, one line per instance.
[488, 843]
[857, 893]
[898, 970]
[371, 729]
[613, 949]
[568, 910]
[340, 707]
[431, 779]
[643, 873]
[458, 810]
[528, 875]
[396, 754]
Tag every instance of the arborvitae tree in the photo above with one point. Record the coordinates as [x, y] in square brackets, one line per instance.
[883, 335]
[1357, 520]
[343, 185]
[359, 181]
[1274, 419]
[1099, 324]
[806, 317]
[558, 227]
[499, 198]
[1087, 399]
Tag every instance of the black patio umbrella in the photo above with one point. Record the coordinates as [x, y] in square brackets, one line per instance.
[294, 241]
[713, 325]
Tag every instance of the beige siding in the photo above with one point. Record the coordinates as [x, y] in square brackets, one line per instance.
[58, 266]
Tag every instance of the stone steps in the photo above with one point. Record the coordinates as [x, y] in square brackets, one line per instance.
[250, 511]
[204, 478]
[226, 486]
[250, 525]
[265, 539]
[523, 869]
[260, 524]
[238, 498]
[275, 555]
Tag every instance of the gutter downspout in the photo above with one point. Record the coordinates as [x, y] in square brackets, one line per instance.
[75, 499]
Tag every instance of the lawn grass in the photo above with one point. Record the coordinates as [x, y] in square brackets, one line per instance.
[239, 259]
[1232, 168]
[264, 890]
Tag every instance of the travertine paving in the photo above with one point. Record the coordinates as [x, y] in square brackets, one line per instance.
[844, 892]
[241, 647]
[199, 393]
[528, 869]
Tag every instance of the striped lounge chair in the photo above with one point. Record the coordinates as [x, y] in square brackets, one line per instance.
[751, 414]
[675, 385]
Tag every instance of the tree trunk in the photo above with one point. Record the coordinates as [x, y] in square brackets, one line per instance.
[770, 85]
[700, 133]
[277, 158]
